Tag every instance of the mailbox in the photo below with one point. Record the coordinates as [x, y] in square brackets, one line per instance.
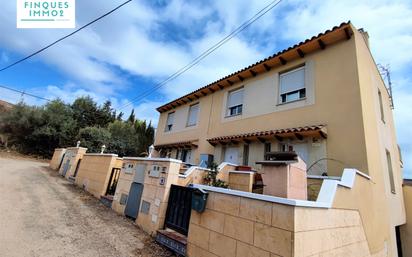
[199, 199]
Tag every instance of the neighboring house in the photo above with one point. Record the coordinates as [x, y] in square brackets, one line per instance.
[406, 230]
[323, 98]
[4, 107]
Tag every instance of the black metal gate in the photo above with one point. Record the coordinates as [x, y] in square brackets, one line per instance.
[179, 209]
[114, 178]
[77, 168]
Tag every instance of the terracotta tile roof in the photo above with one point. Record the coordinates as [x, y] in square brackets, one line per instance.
[275, 132]
[342, 31]
[177, 144]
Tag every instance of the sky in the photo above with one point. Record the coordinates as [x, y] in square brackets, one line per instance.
[127, 53]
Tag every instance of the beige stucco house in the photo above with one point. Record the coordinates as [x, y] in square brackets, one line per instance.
[323, 98]
[406, 230]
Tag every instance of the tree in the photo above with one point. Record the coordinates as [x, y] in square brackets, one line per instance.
[132, 117]
[59, 116]
[122, 138]
[58, 128]
[85, 111]
[105, 114]
[120, 116]
[93, 138]
[19, 124]
[39, 130]
[144, 137]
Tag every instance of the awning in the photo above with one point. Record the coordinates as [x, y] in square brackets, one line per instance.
[182, 144]
[279, 134]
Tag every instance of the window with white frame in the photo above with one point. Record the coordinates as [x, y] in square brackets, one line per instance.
[193, 113]
[169, 122]
[390, 171]
[381, 106]
[235, 102]
[292, 85]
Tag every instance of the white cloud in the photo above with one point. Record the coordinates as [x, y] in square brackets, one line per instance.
[4, 58]
[403, 118]
[389, 24]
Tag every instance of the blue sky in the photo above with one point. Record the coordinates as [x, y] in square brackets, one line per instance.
[130, 51]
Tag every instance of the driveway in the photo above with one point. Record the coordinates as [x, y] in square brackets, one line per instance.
[42, 214]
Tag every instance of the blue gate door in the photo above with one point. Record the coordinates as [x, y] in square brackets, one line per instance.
[133, 200]
[65, 168]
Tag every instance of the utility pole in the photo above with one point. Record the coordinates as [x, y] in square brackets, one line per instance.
[22, 96]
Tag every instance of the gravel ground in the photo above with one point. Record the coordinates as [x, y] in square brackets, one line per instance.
[42, 214]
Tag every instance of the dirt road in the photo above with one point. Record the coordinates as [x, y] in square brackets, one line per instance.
[42, 214]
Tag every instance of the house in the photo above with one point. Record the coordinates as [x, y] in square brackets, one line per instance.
[99, 174]
[405, 231]
[324, 99]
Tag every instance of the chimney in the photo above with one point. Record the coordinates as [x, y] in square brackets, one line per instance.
[365, 36]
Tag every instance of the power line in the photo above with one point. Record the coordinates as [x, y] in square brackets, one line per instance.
[24, 93]
[195, 61]
[61, 39]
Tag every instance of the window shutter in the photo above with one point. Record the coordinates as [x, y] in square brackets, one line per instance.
[235, 98]
[292, 81]
[170, 118]
[193, 112]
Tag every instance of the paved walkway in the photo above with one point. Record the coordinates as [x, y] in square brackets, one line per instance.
[42, 214]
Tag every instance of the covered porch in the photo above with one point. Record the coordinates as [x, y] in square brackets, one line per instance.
[309, 142]
[184, 151]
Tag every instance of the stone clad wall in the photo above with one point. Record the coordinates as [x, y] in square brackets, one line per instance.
[94, 173]
[57, 157]
[156, 193]
[242, 181]
[329, 232]
[236, 226]
[224, 171]
[156, 189]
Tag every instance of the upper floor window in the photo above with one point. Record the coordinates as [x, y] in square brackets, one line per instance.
[390, 171]
[381, 106]
[235, 102]
[193, 113]
[292, 85]
[169, 122]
